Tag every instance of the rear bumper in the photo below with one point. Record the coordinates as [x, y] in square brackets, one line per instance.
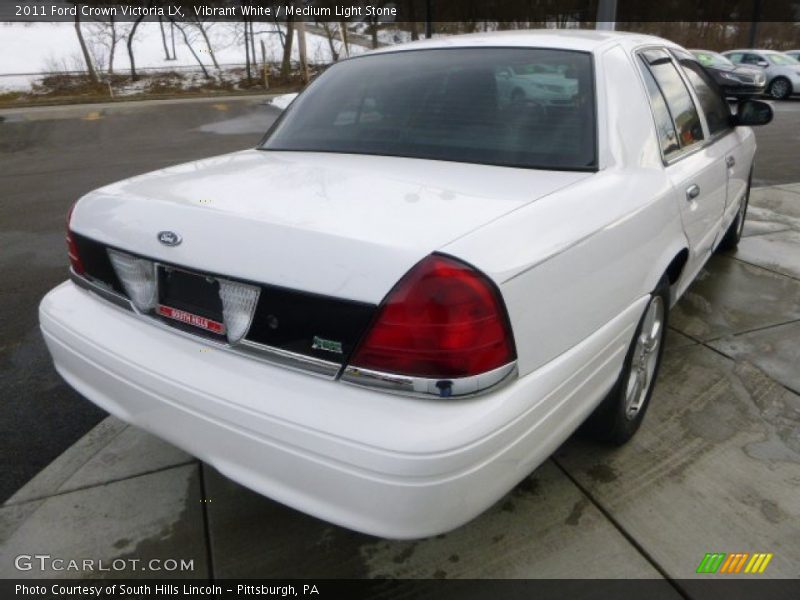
[386, 465]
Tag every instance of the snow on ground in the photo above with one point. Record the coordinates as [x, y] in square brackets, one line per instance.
[28, 49]
[283, 100]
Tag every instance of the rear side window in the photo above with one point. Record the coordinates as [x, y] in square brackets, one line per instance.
[665, 128]
[708, 93]
[679, 101]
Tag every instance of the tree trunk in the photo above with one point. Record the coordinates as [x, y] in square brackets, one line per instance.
[163, 38]
[329, 34]
[247, 52]
[138, 20]
[113, 45]
[286, 63]
[88, 59]
[172, 35]
[373, 29]
[253, 44]
[345, 41]
[264, 65]
[208, 45]
[189, 45]
[301, 46]
[412, 17]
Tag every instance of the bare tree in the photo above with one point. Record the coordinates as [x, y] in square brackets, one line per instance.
[329, 34]
[247, 50]
[286, 63]
[301, 46]
[252, 42]
[84, 49]
[164, 39]
[129, 44]
[172, 36]
[345, 41]
[188, 43]
[107, 34]
[203, 29]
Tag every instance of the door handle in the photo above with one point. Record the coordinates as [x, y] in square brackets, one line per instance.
[692, 192]
[730, 161]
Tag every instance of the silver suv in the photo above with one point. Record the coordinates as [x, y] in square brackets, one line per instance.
[783, 72]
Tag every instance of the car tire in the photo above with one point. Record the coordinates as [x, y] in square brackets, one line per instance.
[619, 416]
[779, 88]
[731, 238]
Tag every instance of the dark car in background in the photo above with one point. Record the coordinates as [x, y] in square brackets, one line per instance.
[734, 80]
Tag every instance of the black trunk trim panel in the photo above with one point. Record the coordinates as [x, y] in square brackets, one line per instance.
[322, 327]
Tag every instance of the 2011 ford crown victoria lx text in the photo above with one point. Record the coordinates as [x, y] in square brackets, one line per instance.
[442, 259]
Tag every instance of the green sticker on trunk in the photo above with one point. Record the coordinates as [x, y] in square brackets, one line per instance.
[327, 345]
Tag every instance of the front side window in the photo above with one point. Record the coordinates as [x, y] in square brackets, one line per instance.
[680, 104]
[708, 93]
[520, 107]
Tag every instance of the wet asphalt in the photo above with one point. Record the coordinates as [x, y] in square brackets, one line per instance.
[48, 159]
[51, 157]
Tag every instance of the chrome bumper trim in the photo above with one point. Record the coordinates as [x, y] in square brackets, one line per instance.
[422, 387]
[253, 350]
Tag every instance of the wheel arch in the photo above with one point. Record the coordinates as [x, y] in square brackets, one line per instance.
[672, 266]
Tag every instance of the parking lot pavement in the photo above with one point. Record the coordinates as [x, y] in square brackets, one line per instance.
[50, 157]
[715, 468]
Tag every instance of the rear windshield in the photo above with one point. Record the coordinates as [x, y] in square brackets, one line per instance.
[515, 107]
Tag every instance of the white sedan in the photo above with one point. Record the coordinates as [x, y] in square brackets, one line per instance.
[411, 292]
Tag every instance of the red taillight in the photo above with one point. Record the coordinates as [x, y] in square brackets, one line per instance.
[72, 248]
[442, 320]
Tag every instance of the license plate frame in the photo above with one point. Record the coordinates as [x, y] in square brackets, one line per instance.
[189, 298]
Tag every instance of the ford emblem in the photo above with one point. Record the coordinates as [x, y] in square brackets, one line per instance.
[169, 238]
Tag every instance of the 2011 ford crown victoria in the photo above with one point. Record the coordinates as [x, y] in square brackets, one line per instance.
[419, 284]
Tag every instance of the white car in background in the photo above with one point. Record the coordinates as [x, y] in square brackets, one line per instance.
[782, 71]
[537, 83]
[399, 304]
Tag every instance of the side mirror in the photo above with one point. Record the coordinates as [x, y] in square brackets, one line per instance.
[763, 64]
[751, 113]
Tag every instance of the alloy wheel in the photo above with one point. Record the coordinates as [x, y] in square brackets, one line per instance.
[645, 358]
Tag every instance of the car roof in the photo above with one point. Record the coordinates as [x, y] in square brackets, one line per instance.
[585, 40]
[758, 50]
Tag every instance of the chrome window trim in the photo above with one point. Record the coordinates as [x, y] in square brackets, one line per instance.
[684, 152]
[429, 388]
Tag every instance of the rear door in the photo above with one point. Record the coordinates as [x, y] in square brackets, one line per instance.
[716, 111]
[696, 169]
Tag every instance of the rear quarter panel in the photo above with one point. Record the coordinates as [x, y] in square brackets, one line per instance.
[570, 262]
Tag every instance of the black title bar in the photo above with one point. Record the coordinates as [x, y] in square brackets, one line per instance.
[533, 12]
